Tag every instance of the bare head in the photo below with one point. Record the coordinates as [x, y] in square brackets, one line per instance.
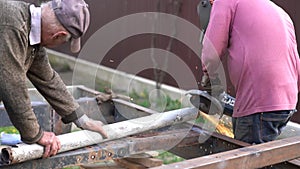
[63, 21]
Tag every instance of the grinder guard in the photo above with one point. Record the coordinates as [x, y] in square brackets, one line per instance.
[211, 105]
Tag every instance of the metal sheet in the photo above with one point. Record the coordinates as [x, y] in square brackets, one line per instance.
[41, 109]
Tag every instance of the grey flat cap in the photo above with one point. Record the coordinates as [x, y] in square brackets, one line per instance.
[74, 17]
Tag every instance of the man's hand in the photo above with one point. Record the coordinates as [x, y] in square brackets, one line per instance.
[86, 123]
[96, 126]
[51, 144]
[212, 86]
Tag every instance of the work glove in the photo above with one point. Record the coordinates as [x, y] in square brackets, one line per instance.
[212, 86]
[86, 123]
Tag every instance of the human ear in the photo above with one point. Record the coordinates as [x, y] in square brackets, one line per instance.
[60, 36]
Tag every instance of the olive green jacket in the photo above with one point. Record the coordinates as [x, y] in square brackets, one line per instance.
[19, 61]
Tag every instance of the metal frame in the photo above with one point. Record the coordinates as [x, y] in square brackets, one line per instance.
[255, 156]
[162, 139]
[215, 150]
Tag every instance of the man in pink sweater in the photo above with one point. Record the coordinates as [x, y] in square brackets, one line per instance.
[258, 37]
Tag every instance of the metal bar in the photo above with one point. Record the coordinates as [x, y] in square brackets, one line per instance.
[70, 141]
[120, 148]
[255, 156]
[213, 143]
[153, 140]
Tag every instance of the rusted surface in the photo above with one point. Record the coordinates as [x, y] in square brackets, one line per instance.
[6, 153]
[136, 144]
[116, 149]
[25, 152]
[255, 156]
[230, 140]
[193, 147]
[190, 147]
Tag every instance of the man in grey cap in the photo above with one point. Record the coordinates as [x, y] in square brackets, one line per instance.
[24, 32]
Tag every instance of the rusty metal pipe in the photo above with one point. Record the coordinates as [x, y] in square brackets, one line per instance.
[74, 140]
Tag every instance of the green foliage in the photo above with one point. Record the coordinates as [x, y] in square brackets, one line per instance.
[72, 167]
[169, 158]
[142, 99]
[58, 64]
[9, 130]
[200, 119]
[101, 85]
[172, 104]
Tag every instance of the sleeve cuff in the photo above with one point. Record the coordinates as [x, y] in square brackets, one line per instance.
[73, 116]
[34, 139]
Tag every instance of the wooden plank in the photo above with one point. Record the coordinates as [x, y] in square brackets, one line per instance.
[103, 165]
[148, 154]
[128, 164]
[295, 162]
[255, 156]
[147, 162]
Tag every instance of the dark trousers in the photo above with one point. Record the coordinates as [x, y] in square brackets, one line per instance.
[261, 127]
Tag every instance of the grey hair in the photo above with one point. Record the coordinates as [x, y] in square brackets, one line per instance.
[68, 38]
[53, 23]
